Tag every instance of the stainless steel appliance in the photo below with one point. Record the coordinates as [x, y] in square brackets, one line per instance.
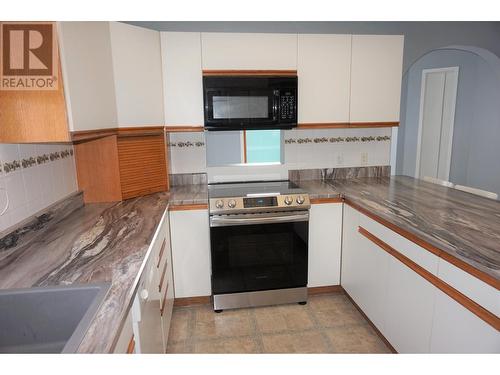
[259, 243]
[238, 103]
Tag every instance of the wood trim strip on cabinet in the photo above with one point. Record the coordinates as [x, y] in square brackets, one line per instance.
[460, 298]
[183, 128]
[373, 124]
[164, 300]
[161, 252]
[188, 301]
[326, 200]
[162, 278]
[377, 331]
[345, 125]
[131, 345]
[323, 125]
[188, 207]
[254, 72]
[488, 279]
[325, 289]
[140, 131]
[87, 135]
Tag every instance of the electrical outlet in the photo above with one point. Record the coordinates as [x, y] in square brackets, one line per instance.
[340, 159]
[364, 158]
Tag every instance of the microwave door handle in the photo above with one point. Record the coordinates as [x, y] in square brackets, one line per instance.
[276, 97]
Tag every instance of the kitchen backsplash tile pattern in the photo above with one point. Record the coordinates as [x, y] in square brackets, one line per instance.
[32, 177]
[303, 149]
[187, 152]
[339, 173]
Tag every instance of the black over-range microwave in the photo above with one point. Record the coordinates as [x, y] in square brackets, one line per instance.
[256, 102]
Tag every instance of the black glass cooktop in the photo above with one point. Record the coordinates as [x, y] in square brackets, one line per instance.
[244, 189]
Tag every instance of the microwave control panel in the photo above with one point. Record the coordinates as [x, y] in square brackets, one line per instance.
[287, 105]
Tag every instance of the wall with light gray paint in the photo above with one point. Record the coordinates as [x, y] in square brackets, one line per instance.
[476, 139]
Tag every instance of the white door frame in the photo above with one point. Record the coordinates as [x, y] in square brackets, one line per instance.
[454, 69]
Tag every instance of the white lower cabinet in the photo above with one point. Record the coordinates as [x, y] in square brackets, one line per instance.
[457, 330]
[412, 313]
[409, 308]
[190, 239]
[364, 270]
[325, 241]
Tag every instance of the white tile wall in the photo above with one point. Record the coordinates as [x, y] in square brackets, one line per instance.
[187, 159]
[27, 190]
[296, 156]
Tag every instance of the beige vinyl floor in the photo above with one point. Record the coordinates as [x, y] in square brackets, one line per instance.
[329, 323]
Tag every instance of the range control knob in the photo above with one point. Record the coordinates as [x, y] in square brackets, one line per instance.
[231, 203]
[300, 199]
[219, 203]
[288, 200]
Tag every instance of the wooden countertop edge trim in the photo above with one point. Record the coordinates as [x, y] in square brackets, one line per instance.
[482, 313]
[471, 270]
[187, 207]
[249, 72]
[326, 200]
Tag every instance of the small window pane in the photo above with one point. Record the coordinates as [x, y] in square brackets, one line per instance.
[263, 146]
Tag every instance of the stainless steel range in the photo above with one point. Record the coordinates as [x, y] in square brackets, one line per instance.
[259, 243]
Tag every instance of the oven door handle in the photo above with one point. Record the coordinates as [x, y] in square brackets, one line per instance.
[218, 221]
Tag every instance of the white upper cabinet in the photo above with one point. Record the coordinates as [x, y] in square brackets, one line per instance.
[87, 68]
[137, 75]
[182, 78]
[376, 71]
[241, 51]
[323, 69]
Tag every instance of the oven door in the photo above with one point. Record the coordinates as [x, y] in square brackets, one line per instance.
[252, 252]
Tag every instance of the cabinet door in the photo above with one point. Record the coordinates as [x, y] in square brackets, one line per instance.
[137, 72]
[125, 342]
[376, 72]
[325, 236]
[323, 69]
[189, 231]
[410, 304]
[457, 330]
[182, 79]
[364, 270]
[241, 51]
[87, 68]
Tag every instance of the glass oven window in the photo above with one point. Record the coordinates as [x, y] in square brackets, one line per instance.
[240, 107]
[249, 258]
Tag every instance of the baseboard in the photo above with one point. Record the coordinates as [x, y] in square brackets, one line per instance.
[379, 334]
[325, 289]
[189, 301]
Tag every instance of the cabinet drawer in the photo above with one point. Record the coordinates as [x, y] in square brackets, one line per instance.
[419, 255]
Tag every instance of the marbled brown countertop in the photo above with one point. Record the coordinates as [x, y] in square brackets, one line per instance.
[76, 244]
[188, 194]
[463, 225]
[318, 189]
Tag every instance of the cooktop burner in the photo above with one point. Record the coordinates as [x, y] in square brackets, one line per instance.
[256, 197]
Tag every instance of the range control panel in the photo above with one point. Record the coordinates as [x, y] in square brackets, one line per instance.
[259, 203]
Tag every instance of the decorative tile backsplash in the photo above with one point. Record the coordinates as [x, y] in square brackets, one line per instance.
[32, 177]
[302, 149]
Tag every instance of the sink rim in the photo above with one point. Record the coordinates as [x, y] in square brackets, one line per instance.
[83, 325]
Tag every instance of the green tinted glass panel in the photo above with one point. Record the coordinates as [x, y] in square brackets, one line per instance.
[263, 146]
